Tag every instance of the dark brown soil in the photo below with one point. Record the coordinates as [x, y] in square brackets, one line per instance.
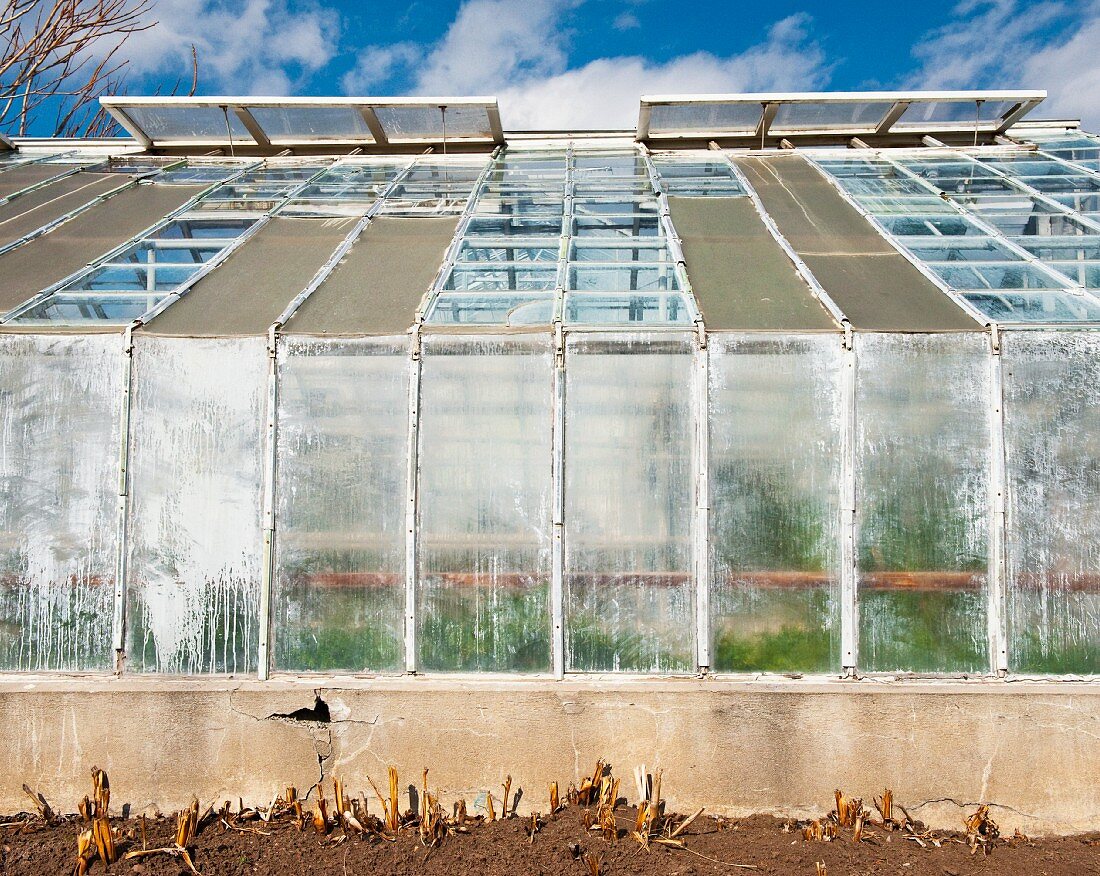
[562, 845]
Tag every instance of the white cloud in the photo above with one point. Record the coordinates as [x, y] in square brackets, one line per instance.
[244, 46]
[519, 52]
[626, 21]
[1008, 44]
[376, 64]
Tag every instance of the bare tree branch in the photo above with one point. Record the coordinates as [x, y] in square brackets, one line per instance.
[64, 55]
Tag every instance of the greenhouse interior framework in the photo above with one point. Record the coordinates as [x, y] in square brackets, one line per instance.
[773, 384]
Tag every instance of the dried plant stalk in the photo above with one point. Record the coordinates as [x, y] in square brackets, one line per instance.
[554, 802]
[504, 802]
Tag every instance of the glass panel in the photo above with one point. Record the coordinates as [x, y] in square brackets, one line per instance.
[705, 117]
[312, 122]
[1010, 275]
[629, 504]
[189, 123]
[1037, 307]
[59, 448]
[485, 504]
[428, 122]
[466, 308]
[101, 309]
[338, 598]
[775, 451]
[803, 116]
[657, 309]
[633, 277]
[955, 112]
[521, 276]
[922, 463]
[1052, 451]
[196, 471]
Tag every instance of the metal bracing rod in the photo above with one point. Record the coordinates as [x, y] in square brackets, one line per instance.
[565, 239]
[122, 559]
[700, 379]
[267, 567]
[121, 248]
[991, 230]
[181, 290]
[849, 593]
[72, 214]
[674, 244]
[932, 277]
[816, 289]
[998, 531]
[453, 248]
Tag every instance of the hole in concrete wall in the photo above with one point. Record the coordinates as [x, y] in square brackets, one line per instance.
[318, 714]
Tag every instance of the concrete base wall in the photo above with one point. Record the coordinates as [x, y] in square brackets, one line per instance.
[1031, 748]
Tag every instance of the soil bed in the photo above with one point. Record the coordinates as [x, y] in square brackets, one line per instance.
[561, 846]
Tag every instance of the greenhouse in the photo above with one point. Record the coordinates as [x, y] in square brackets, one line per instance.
[780, 384]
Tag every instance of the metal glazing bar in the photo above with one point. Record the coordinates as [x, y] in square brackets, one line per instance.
[412, 503]
[701, 434]
[816, 289]
[674, 244]
[700, 393]
[72, 214]
[998, 491]
[454, 247]
[1035, 193]
[343, 249]
[991, 230]
[557, 560]
[271, 458]
[1066, 162]
[121, 248]
[917, 263]
[239, 241]
[267, 570]
[122, 560]
[849, 601]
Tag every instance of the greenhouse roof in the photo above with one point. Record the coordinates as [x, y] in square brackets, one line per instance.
[796, 213]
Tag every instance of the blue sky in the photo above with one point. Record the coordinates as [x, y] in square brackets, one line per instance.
[557, 63]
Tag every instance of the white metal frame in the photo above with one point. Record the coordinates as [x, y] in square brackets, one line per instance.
[241, 107]
[899, 101]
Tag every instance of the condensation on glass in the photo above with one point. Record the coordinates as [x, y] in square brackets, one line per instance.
[1052, 452]
[486, 530]
[196, 475]
[775, 450]
[338, 598]
[59, 452]
[629, 501]
[922, 502]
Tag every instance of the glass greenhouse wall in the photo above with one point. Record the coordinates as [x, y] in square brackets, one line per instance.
[570, 462]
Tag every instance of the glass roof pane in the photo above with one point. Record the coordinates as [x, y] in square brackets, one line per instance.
[188, 123]
[954, 112]
[1036, 307]
[734, 118]
[427, 122]
[312, 122]
[802, 116]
